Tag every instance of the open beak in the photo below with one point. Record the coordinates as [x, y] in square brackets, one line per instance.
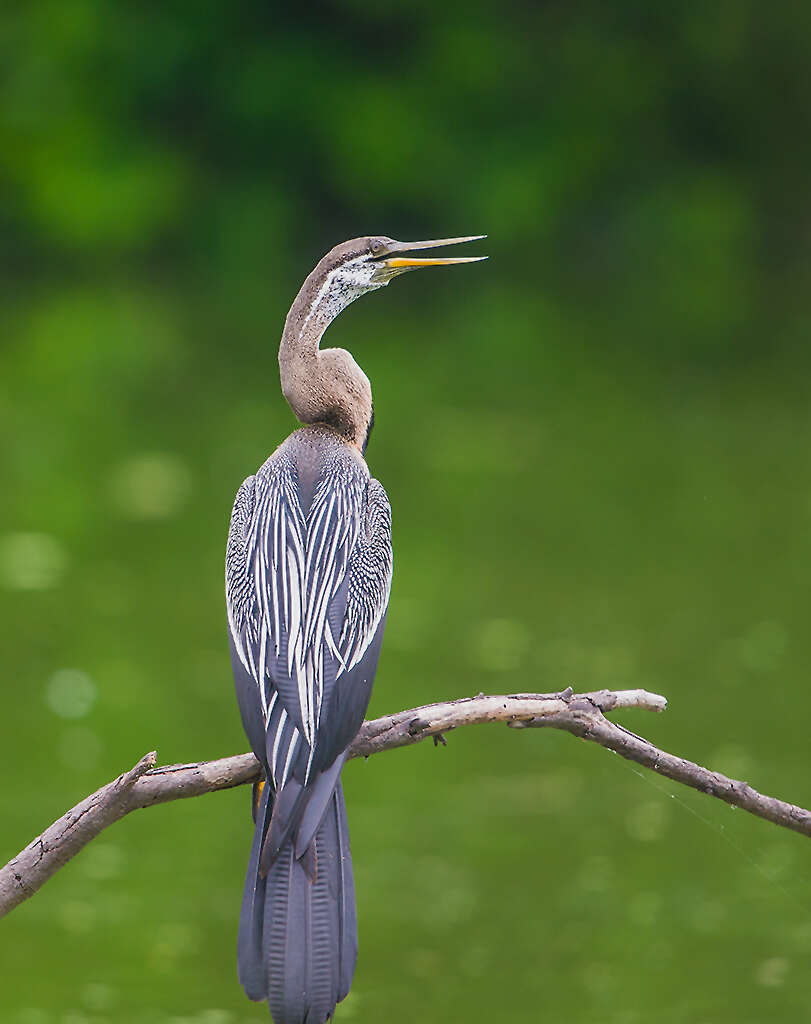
[392, 265]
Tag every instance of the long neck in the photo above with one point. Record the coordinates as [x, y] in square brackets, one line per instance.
[323, 387]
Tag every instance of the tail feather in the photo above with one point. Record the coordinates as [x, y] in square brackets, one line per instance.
[305, 939]
[345, 892]
[250, 967]
[318, 800]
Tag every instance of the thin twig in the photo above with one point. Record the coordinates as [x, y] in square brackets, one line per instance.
[583, 715]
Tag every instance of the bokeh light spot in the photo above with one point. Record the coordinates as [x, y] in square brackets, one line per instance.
[150, 486]
[103, 861]
[31, 561]
[96, 995]
[646, 822]
[772, 973]
[33, 1015]
[70, 693]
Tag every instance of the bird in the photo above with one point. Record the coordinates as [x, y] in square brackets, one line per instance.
[307, 579]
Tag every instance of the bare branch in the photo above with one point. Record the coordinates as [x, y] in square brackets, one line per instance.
[583, 715]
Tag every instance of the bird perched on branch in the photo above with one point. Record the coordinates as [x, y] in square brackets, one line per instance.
[307, 579]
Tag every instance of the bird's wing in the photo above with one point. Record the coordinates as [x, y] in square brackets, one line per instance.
[369, 582]
[355, 626]
[306, 597]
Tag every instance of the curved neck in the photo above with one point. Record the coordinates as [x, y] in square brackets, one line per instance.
[323, 387]
[309, 316]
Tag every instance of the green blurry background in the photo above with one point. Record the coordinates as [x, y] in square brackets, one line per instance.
[596, 447]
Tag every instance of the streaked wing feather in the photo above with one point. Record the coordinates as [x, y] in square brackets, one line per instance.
[307, 590]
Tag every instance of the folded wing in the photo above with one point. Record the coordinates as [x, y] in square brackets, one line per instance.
[308, 575]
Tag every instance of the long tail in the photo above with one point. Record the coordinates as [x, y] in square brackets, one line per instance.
[298, 937]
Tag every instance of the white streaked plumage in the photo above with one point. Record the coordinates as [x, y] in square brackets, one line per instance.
[285, 569]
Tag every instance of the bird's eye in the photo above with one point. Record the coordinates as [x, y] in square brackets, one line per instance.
[376, 247]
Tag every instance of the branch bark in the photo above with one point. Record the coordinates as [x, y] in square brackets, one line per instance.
[582, 715]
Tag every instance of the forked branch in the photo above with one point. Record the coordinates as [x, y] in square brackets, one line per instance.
[582, 714]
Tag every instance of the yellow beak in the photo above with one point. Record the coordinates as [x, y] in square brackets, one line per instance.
[391, 265]
[406, 263]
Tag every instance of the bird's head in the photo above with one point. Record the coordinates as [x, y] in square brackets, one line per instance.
[363, 264]
[358, 266]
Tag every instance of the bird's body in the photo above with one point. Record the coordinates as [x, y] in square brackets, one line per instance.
[310, 544]
[308, 575]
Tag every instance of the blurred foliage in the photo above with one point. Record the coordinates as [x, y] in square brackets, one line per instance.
[596, 447]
